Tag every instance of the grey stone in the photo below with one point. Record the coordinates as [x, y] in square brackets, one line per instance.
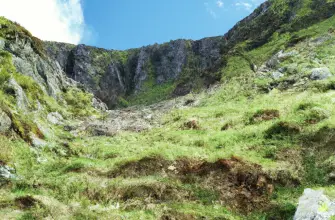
[6, 173]
[320, 73]
[98, 104]
[277, 75]
[276, 59]
[21, 97]
[37, 142]
[314, 205]
[111, 77]
[55, 118]
[5, 122]
[2, 43]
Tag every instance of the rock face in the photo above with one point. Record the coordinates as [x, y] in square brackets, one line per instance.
[110, 74]
[314, 205]
[5, 122]
[320, 73]
[47, 73]
[6, 173]
[183, 65]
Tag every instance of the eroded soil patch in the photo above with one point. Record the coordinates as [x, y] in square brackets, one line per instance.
[240, 185]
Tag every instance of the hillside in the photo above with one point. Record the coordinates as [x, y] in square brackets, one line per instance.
[228, 127]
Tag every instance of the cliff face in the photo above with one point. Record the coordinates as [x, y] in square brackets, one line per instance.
[153, 73]
[110, 74]
[181, 65]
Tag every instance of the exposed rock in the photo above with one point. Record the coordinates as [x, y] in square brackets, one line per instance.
[55, 118]
[6, 173]
[47, 73]
[5, 122]
[21, 98]
[314, 205]
[2, 44]
[37, 142]
[277, 75]
[279, 57]
[320, 73]
[98, 104]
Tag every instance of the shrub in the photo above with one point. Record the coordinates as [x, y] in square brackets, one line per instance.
[282, 129]
[122, 102]
[316, 115]
[191, 125]
[79, 102]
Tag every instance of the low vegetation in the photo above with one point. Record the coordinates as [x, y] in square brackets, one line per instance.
[245, 149]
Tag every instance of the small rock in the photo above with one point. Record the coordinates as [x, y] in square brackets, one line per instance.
[98, 104]
[37, 142]
[283, 56]
[55, 118]
[6, 173]
[21, 97]
[277, 75]
[5, 122]
[314, 205]
[282, 69]
[172, 168]
[68, 128]
[320, 73]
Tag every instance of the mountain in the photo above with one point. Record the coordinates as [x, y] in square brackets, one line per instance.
[229, 127]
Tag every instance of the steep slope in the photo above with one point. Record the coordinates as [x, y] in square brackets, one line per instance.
[154, 73]
[242, 149]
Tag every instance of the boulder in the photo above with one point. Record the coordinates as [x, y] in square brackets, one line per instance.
[36, 141]
[276, 59]
[55, 118]
[320, 73]
[6, 173]
[98, 104]
[21, 98]
[277, 75]
[314, 205]
[5, 122]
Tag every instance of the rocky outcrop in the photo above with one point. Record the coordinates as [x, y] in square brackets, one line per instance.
[5, 122]
[314, 205]
[320, 73]
[184, 64]
[110, 74]
[47, 73]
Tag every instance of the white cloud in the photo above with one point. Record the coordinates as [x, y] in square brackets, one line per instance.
[53, 20]
[210, 10]
[219, 4]
[245, 5]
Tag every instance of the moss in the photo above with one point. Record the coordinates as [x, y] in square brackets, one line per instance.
[79, 102]
[122, 102]
[151, 92]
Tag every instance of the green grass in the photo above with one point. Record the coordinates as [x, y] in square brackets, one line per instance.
[294, 149]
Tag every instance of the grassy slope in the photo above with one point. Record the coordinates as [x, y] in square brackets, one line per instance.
[75, 180]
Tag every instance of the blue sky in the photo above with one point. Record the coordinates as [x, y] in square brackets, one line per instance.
[124, 24]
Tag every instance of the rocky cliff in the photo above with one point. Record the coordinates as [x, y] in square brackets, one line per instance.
[182, 65]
